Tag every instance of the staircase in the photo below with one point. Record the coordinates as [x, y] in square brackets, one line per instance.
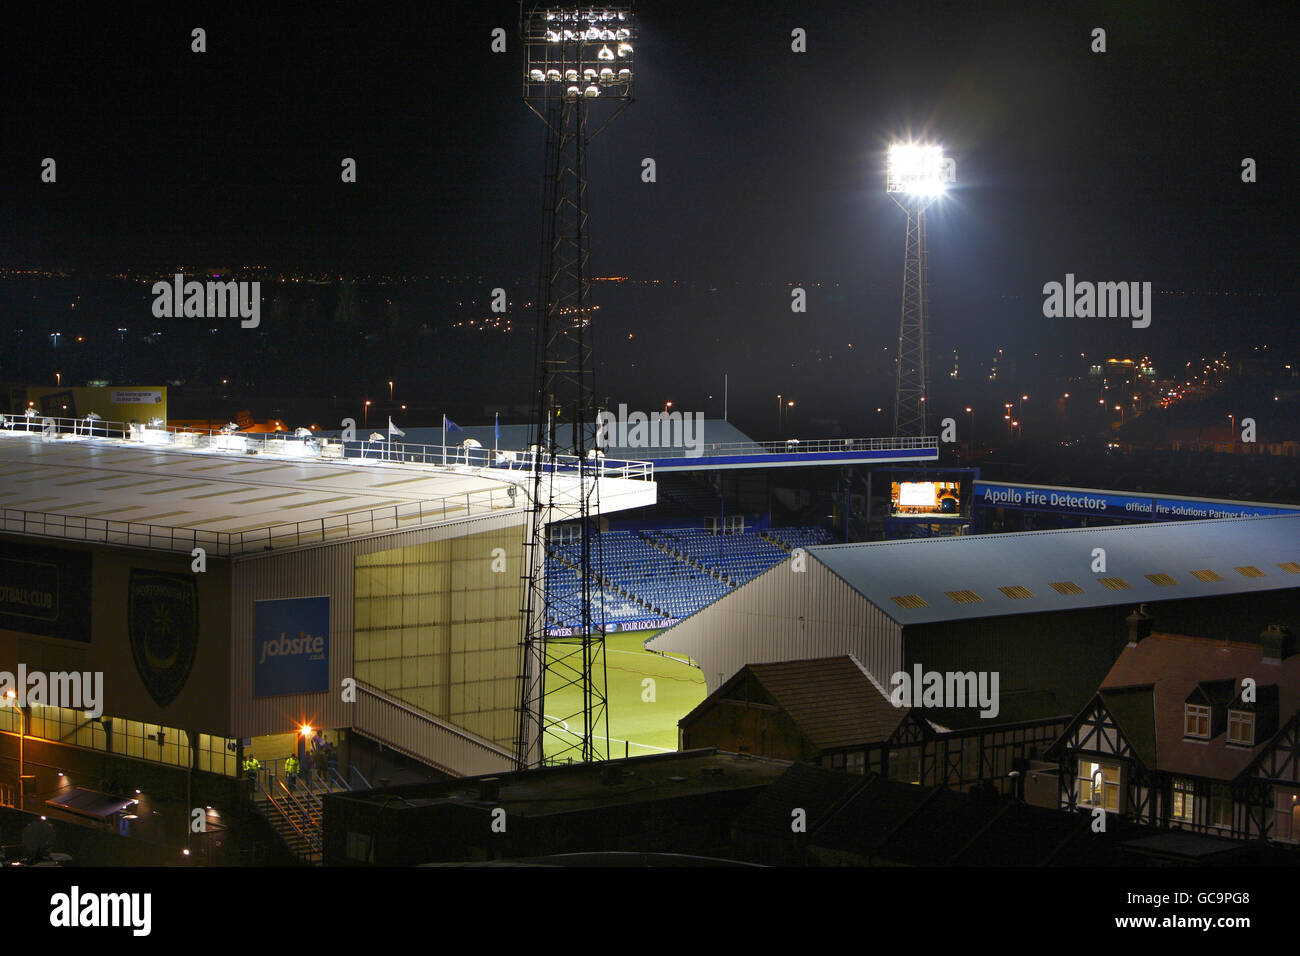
[296, 814]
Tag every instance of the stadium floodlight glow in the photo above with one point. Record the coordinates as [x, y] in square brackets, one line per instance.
[563, 44]
[917, 170]
[916, 175]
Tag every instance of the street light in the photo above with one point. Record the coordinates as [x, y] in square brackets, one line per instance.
[971, 441]
[390, 391]
[365, 417]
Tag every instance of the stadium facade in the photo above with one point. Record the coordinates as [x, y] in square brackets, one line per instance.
[229, 590]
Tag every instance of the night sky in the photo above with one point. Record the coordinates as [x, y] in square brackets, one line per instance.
[1117, 166]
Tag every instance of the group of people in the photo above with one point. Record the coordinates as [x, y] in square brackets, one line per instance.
[321, 757]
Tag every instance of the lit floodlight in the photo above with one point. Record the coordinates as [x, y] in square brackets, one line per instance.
[592, 90]
[563, 44]
[917, 170]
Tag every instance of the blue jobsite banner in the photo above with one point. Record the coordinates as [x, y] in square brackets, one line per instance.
[291, 646]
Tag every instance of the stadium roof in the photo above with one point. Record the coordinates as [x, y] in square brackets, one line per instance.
[721, 446]
[716, 432]
[931, 580]
[163, 497]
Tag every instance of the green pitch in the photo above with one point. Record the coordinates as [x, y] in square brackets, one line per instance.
[636, 725]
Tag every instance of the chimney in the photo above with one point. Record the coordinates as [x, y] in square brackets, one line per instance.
[1276, 643]
[1139, 625]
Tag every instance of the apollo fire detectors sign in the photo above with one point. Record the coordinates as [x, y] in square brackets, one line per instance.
[291, 646]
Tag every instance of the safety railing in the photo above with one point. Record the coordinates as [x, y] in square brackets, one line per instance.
[305, 444]
[401, 516]
[791, 446]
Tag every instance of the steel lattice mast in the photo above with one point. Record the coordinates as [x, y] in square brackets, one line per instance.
[915, 178]
[578, 60]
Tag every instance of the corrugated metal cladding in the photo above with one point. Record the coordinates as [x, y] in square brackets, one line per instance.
[325, 570]
[786, 615]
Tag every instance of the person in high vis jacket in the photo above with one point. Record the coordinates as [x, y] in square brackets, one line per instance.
[291, 769]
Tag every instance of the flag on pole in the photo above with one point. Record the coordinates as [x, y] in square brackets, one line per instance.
[450, 425]
[497, 440]
[393, 429]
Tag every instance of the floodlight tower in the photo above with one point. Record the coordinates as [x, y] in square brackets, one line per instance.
[915, 176]
[578, 67]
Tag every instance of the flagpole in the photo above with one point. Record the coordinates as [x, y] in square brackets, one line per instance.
[444, 438]
[496, 432]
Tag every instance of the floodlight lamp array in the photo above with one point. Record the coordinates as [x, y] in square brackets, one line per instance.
[578, 53]
[918, 170]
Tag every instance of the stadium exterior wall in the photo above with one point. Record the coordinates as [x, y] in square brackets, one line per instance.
[781, 609]
[102, 595]
[323, 570]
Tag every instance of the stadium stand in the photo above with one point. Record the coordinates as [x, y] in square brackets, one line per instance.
[668, 572]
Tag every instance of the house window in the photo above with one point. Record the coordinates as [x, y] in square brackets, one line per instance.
[1221, 805]
[1197, 722]
[905, 765]
[1184, 805]
[857, 762]
[1241, 728]
[1099, 784]
[1286, 808]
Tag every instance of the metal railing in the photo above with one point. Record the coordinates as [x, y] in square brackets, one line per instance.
[401, 516]
[792, 446]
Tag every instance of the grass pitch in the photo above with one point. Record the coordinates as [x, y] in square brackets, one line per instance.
[636, 725]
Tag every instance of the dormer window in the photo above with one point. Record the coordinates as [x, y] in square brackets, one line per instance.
[1197, 722]
[1241, 728]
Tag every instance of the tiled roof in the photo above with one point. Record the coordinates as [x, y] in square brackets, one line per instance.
[1174, 666]
[832, 701]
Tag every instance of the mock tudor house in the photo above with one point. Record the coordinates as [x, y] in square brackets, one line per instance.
[831, 712]
[1194, 734]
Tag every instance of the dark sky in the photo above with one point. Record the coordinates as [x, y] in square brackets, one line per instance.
[1115, 166]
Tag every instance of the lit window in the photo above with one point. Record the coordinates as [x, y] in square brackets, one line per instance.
[1241, 728]
[1197, 722]
[1183, 808]
[1099, 785]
